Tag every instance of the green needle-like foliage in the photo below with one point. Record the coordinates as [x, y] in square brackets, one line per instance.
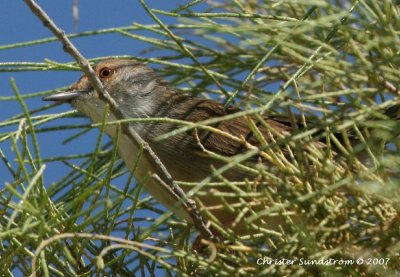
[333, 65]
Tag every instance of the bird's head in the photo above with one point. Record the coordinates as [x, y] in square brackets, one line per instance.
[130, 83]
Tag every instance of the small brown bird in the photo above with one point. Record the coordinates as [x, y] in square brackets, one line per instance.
[139, 93]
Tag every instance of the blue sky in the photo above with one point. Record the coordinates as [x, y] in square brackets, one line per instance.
[18, 24]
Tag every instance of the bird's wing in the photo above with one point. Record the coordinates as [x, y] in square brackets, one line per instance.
[238, 128]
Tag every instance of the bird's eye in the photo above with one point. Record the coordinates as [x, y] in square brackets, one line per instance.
[105, 72]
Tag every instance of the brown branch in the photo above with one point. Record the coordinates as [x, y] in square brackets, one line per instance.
[188, 204]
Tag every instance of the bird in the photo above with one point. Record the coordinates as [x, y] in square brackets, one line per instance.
[188, 156]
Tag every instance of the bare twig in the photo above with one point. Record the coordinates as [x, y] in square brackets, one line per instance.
[189, 205]
[122, 243]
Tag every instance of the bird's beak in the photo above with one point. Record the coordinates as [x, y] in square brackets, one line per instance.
[64, 96]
